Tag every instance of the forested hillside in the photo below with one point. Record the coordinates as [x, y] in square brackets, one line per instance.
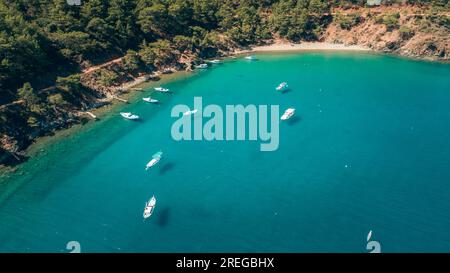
[44, 36]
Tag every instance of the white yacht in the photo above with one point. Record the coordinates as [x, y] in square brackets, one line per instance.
[188, 113]
[155, 159]
[149, 99]
[288, 114]
[201, 66]
[149, 207]
[129, 115]
[250, 57]
[216, 61]
[161, 89]
[282, 86]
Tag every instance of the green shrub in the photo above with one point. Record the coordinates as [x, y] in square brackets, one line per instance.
[70, 84]
[106, 77]
[56, 100]
[441, 20]
[131, 61]
[32, 122]
[28, 95]
[348, 21]
[405, 32]
[389, 20]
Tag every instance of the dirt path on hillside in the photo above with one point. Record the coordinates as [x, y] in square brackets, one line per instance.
[97, 67]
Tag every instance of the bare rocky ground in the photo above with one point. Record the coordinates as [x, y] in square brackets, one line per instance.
[418, 33]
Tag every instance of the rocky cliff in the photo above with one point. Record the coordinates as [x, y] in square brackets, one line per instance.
[407, 31]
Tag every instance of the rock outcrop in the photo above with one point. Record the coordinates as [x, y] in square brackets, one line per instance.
[406, 31]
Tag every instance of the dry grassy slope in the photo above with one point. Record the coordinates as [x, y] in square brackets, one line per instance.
[428, 41]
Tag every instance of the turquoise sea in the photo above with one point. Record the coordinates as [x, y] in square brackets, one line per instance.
[369, 150]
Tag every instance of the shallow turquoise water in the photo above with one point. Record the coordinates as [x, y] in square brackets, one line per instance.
[386, 118]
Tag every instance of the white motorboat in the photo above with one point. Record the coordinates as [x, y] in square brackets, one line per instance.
[188, 113]
[149, 207]
[216, 61]
[250, 57]
[161, 89]
[201, 66]
[288, 114]
[282, 86]
[129, 115]
[150, 100]
[155, 159]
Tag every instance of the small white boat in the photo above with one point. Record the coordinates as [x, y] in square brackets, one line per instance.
[282, 86]
[216, 61]
[201, 66]
[250, 57]
[155, 159]
[149, 207]
[129, 116]
[187, 113]
[161, 89]
[150, 100]
[288, 114]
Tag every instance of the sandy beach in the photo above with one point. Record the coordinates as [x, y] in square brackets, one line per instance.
[283, 46]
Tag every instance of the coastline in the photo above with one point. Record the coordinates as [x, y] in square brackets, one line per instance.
[304, 46]
[131, 93]
[132, 89]
[105, 111]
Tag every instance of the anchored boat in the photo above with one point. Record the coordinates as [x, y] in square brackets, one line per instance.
[149, 207]
[201, 66]
[155, 159]
[161, 89]
[129, 116]
[288, 114]
[282, 86]
[188, 113]
[150, 100]
[216, 61]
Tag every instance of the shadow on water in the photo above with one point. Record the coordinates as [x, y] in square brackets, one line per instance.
[140, 120]
[288, 90]
[294, 120]
[166, 167]
[164, 217]
[158, 103]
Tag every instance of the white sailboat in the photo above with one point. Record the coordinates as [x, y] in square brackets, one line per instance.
[155, 159]
[150, 100]
[288, 114]
[129, 116]
[149, 207]
[189, 112]
[250, 58]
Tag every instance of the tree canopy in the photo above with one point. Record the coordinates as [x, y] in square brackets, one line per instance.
[43, 36]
